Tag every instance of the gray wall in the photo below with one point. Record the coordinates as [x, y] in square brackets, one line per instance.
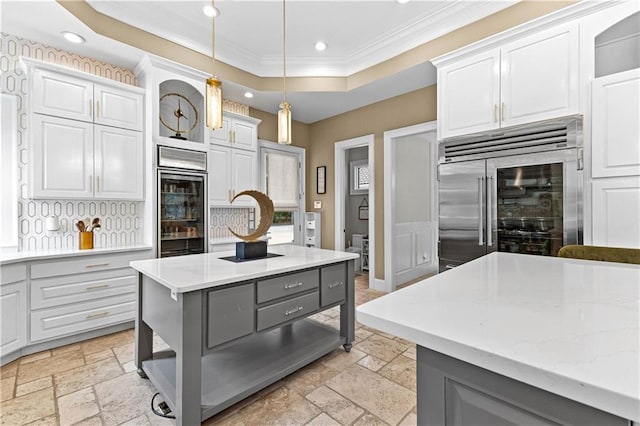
[353, 225]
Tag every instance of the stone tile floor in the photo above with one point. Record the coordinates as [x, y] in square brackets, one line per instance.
[94, 383]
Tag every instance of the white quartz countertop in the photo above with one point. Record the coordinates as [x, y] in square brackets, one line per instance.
[182, 274]
[13, 256]
[568, 326]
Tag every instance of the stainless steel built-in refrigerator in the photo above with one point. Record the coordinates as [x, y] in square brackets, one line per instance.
[182, 202]
[516, 191]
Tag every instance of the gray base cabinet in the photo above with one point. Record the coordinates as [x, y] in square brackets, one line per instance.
[229, 342]
[453, 392]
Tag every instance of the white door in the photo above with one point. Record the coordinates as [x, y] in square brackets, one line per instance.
[62, 155]
[469, 93]
[539, 76]
[243, 175]
[244, 135]
[118, 108]
[414, 197]
[61, 95]
[219, 172]
[615, 138]
[616, 209]
[118, 164]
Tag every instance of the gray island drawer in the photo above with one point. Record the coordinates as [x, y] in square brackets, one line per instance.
[289, 309]
[230, 314]
[287, 285]
[333, 287]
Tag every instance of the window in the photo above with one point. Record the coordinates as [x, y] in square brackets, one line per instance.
[359, 177]
[282, 175]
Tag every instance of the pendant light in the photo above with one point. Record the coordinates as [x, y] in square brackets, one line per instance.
[284, 115]
[214, 86]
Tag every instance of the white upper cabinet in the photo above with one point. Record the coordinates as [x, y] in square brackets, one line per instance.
[61, 158]
[539, 76]
[66, 96]
[231, 171]
[86, 135]
[529, 79]
[244, 176]
[219, 174]
[237, 132]
[118, 108]
[118, 159]
[615, 130]
[61, 95]
[471, 89]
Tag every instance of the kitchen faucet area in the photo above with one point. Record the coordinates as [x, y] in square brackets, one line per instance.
[358, 213]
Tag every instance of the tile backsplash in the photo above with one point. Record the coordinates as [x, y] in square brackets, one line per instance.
[121, 220]
[240, 220]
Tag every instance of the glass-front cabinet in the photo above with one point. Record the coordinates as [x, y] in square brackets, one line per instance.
[182, 214]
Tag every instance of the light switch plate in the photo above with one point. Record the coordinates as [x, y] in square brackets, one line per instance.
[317, 204]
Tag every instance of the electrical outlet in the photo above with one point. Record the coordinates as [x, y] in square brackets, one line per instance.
[317, 204]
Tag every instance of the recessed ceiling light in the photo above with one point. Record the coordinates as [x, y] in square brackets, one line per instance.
[320, 46]
[403, 1]
[73, 37]
[248, 95]
[211, 11]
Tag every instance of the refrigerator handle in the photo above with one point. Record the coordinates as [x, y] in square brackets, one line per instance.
[480, 211]
[489, 211]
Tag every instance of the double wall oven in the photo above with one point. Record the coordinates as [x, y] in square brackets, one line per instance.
[182, 202]
[516, 191]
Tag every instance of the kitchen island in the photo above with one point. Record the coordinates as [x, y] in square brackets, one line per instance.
[521, 339]
[236, 327]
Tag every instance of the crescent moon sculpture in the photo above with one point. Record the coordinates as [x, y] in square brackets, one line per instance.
[266, 215]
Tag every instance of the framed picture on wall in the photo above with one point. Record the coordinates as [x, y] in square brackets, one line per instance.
[321, 179]
[363, 213]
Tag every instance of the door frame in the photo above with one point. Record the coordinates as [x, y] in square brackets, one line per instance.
[389, 193]
[341, 177]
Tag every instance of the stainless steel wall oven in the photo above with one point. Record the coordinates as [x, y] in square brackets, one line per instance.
[182, 202]
[519, 190]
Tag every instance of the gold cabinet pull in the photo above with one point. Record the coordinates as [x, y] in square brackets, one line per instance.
[495, 113]
[503, 109]
[97, 108]
[95, 287]
[97, 183]
[97, 265]
[234, 136]
[230, 137]
[98, 314]
[90, 107]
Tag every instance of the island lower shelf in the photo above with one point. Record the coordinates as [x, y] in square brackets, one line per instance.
[233, 373]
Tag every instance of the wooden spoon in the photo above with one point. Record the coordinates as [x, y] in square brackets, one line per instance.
[95, 223]
[80, 225]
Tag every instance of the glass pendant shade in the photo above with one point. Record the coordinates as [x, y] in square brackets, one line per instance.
[284, 124]
[214, 103]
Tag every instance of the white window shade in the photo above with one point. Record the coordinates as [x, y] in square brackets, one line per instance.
[282, 179]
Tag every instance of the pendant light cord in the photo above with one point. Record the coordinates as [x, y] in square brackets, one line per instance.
[284, 51]
[213, 35]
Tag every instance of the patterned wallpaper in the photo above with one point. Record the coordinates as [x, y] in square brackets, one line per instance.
[121, 220]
